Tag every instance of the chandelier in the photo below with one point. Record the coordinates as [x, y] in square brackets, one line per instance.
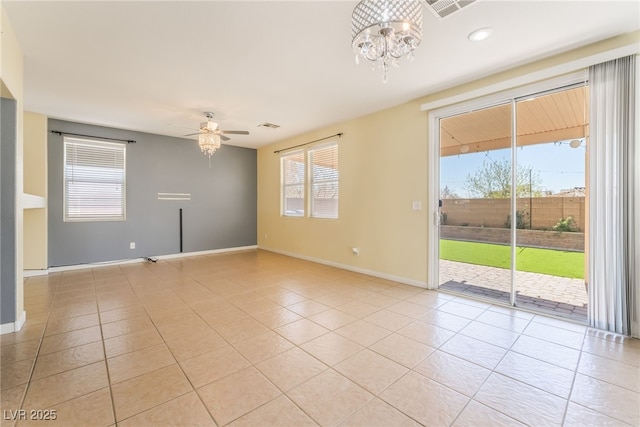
[209, 143]
[384, 31]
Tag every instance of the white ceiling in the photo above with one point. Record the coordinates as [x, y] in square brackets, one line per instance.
[155, 66]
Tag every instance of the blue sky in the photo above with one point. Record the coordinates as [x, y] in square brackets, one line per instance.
[559, 166]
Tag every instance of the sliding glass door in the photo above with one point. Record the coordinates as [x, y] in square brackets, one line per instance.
[512, 201]
[475, 194]
[550, 201]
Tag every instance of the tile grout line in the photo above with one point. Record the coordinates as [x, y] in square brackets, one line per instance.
[42, 337]
[104, 351]
[35, 361]
[193, 389]
[576, 373]
[296, 346]
[472, 398]
[573, 380]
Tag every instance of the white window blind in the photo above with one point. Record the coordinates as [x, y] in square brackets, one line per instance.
[292, 171]
[324, 181]
[94, 180]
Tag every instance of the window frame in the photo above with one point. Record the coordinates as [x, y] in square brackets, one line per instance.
[120, 155]
[307, 181]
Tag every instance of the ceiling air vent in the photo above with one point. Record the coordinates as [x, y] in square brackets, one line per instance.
[443, 8]
[269, 125]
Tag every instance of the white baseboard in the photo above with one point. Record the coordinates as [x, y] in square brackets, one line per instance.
[399, 279]
[138, 260]
[94, 265]
[209, 252]
[35, 273]
[7, 328]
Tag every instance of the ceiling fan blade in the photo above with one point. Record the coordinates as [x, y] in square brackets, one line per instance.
[224, 138]
[191, 134]
[236, 132]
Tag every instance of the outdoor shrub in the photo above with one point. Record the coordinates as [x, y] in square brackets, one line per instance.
[566, 224]
[522, 220]
[443, 218]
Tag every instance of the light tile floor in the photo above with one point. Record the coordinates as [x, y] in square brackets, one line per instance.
[255, 339]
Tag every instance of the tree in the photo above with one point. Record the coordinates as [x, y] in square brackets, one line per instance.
[493, 180]
[447, 193]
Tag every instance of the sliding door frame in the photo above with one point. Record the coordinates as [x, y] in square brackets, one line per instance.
[511, 96]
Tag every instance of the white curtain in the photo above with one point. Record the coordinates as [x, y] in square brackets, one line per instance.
[614, 187]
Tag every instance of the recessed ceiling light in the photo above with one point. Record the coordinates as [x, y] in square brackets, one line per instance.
[480, 34]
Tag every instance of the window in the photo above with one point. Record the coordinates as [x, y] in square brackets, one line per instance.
[321, 165]
[94, 180]
[292, 167]
[324, 181]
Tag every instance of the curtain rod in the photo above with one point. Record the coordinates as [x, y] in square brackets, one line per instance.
[307, 143]
[128, 141]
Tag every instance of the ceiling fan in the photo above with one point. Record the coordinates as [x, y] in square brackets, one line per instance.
[210, 127]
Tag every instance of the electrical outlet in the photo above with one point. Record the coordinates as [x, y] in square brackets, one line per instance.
[132, 245]
[355, 251]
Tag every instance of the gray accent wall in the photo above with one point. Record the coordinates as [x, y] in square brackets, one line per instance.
[8, 140]
[222, 212]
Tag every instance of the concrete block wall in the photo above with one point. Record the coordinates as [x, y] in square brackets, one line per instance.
[493, 213]
[530, 238]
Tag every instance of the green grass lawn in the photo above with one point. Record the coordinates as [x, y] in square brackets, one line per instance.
[546, 261]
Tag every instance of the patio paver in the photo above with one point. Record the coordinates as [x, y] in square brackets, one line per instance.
[561, 296]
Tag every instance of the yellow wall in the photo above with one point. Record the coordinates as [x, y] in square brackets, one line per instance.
[35, 154]
[383, 168]
[383, 160]
[35, 239]
[11, 69]
[35, 183]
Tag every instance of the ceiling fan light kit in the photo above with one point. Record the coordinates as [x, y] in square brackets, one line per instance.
[209, 136]
[209, 143]
[383, 31]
